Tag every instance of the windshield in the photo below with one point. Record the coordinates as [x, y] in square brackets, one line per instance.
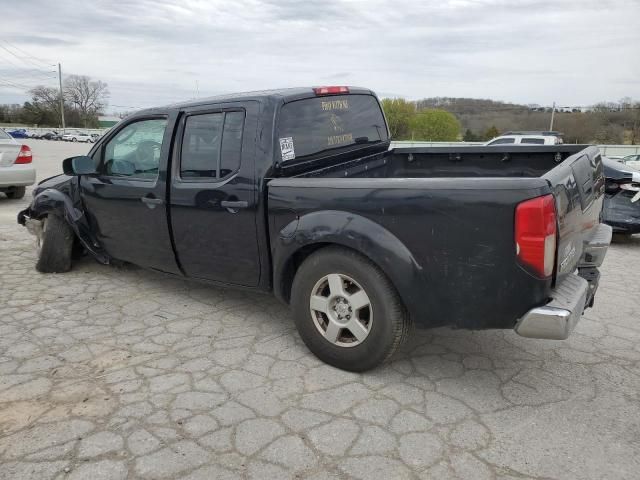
[316, 126]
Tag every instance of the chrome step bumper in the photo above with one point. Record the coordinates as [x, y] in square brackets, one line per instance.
[556, 320]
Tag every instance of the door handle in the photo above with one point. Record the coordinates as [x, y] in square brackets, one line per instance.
[152, 202]
[234, 206]
[237, 204]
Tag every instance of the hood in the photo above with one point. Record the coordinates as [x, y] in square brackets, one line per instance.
[58, 182]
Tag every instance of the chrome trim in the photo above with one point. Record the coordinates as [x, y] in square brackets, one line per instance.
[557, 319]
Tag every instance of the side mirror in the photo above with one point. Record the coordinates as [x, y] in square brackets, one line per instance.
[81, 165]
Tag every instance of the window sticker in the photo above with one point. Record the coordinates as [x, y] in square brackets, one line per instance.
[335, 105]
[286, 148]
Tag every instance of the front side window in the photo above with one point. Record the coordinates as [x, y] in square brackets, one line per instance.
[211, 145]
[135, 150]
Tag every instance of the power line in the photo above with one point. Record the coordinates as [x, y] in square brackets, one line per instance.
[7, 83]
[30, 71]
[17, 56]
[28, 55]
[35, 71]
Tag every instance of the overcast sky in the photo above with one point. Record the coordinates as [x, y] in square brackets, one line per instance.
[153, 52]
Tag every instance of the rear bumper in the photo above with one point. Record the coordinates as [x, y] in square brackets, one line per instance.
[557, 319]
[17, 175]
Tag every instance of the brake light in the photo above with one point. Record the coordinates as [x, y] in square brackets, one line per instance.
[330, 90]
[535, 232]
[25, 155]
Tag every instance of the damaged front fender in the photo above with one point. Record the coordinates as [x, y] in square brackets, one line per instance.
[55, 202]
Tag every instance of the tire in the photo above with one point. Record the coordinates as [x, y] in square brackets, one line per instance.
[16, 193]
[74, 139]
[55, 246]
[382, 325]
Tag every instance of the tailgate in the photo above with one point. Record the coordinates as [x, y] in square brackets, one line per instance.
[8, 153]
[578, 186]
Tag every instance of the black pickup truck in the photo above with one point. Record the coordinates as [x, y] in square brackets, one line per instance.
[296, 191]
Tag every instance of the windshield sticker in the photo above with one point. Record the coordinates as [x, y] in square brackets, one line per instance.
[338, 139]
[336, 123]
[286, 148]
[335, 105]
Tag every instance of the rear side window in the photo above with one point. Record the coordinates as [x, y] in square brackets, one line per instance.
[533, 141]
[321, 125]
[211, 145]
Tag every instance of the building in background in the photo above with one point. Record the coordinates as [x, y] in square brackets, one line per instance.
[107, 121]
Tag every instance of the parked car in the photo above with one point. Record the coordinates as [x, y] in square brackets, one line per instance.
[52, 135]
[622, 197]
[632, 161]
[295, 191]
[18, 133]
[95, 137]
[77, 137]
[527, 138]
[16, 167]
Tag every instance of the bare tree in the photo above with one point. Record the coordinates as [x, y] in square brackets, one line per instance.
[46, 98]
[88, 96]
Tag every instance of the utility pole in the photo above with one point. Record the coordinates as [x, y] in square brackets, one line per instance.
[61, 98]
[553, 111]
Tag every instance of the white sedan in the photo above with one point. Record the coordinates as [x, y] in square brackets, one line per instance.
[77, 137]
[16, 167]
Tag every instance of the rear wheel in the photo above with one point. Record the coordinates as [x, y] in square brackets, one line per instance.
[16, 192]
[55, 245]
[347, 311]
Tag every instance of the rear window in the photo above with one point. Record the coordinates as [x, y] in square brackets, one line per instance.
[316, 126]
[533, 141]
[4, 135]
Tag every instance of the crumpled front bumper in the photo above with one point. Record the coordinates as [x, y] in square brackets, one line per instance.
[557, 319]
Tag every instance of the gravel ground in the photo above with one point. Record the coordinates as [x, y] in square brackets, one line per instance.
[114, 373]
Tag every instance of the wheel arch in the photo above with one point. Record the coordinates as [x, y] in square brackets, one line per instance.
[54, 202]
[319, 230]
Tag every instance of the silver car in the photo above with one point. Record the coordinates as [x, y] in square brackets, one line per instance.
[16, 167]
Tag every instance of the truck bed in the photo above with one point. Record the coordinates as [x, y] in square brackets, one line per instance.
[445, 218]
[446, 162]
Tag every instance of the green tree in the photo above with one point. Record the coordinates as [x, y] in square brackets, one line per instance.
[491, 132]
[469, 136]
[399, 113]
[435, 125]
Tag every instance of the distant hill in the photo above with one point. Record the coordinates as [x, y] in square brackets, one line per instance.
[471, 106]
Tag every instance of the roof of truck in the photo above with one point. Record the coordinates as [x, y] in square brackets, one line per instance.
[286, 94]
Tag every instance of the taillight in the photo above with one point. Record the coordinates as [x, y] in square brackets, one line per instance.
[330, 90]
[536, 234]
[25, 155]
